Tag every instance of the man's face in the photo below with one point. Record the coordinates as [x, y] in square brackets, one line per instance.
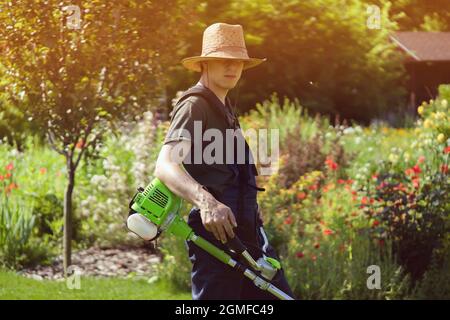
[224, 73]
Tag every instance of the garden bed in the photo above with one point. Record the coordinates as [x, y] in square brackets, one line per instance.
[122, 261]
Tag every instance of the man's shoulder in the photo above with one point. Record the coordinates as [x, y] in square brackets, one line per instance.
[195, 101]
[190, 107]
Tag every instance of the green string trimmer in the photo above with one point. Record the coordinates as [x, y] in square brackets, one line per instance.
[156, 209]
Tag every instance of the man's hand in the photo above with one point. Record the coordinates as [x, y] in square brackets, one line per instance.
[219, 219]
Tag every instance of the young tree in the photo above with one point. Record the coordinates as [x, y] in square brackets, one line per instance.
[77, 68]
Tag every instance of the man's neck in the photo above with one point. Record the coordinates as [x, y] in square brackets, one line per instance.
[219, 92]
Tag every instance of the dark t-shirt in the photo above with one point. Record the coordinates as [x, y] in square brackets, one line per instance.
[215, 176]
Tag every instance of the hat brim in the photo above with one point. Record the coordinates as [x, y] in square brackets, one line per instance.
[193, 63]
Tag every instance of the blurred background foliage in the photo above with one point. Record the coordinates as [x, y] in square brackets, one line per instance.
[321, 52]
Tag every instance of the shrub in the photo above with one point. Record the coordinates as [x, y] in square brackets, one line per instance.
[411, 209]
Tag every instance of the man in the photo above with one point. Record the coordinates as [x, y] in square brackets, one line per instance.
[223, 192]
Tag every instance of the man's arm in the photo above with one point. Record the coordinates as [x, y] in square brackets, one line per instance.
[216, 217]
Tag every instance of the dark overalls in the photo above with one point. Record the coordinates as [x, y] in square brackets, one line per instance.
[212, 279]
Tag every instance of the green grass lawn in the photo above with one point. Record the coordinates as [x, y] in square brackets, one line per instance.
[14, 286]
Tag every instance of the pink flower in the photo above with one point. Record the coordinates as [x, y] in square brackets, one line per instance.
[416, 183]
[9, 167]
[327, 232]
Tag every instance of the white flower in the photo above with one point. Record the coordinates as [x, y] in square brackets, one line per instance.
[349, 130]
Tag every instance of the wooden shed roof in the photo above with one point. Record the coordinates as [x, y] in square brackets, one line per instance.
[424, 46]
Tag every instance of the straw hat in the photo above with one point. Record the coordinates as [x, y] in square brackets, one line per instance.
[222, 41]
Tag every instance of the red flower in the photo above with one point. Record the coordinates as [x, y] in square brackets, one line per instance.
[341, 181]
[299, 255]
[43, 170]
[9, 167]
[375, 176]
[349, 181]
[8, 175]
[416, 169]
[1, 177]
[331, 164]
[313, 187]
[447, 150]
[375, 223]
[288, 220]
[415, 182]
[364, 200]
[327, 232]
[354, 192]
[301, 195]
[444, 169]
[409, 171]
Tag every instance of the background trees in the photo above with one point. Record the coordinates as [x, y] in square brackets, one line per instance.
[323, 52]
[74, 72]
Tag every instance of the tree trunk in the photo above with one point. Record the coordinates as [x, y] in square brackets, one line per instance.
[67, 238]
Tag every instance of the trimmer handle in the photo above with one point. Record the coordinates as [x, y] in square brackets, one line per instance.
[236, 245]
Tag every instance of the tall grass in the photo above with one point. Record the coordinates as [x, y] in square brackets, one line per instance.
[16, 225]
